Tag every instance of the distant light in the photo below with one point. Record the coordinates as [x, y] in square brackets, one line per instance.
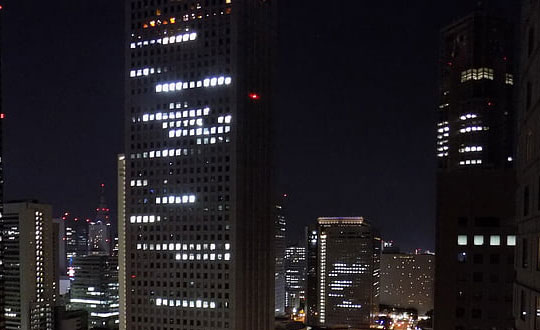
[2, 115]
[254, 96]
[133, 276]
[510, 159]
[102, 185]
[490, 104]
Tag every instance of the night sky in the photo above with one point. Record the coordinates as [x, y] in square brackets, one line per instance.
[355, 114]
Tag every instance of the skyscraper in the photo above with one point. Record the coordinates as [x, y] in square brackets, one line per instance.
[76, 235]
[527, 284]
[95, 289]
[348, 273]
[28, 263]
[99, 230]
[198, 212]
[475, 180]
[279, 249]
[122, 276]
[312, 260]
[295, 278]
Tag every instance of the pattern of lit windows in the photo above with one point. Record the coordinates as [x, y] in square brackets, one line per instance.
[179, 38]
[470, 162]
[473, 128]
[322, 284]
[184, 199]
[509, 79]
[477, 74]
[144, 218]
[171, 302]
[181, 85]
[443, 132]
[143, 72]
[479, 240]
[465, 149]
[468, 116]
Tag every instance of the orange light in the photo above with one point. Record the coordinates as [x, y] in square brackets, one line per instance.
[145, 26]
[153, 23]
[173, 20]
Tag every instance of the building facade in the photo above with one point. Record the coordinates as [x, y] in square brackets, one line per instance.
[407, 281]
[198, 227]
[527, 286]
[99, 230]
[280, 244]
[312, 260]
[348, 273]
[95, 289]
[295, 278]
[475, 234]
[28, 266]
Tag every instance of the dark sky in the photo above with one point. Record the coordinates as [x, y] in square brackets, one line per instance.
[354, 116]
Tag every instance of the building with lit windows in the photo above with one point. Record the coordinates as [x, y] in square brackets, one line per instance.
[28, 266]
[527, 265]
[312, 240]
[76, 238]
[475, 234]
[99, 230]
[407, 281]
[2, 319]
[348, 273]
[199, 229]
[295, 278]
[95, 289]
[279, 250]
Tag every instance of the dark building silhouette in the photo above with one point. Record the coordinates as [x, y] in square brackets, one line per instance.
[527, 286]
[198, 202]
[280, 244]
[475, 181]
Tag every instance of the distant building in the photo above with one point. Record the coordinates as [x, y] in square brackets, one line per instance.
[407, 281]
[76, 239]
[28, 266]
[99, 230]
[122, 276]
[279, 250]
[348, 273]
[312, 294]
[59, 254]
[70, 320]
[95, 290]
[295, 278]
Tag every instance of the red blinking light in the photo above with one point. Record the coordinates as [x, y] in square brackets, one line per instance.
[254, 96]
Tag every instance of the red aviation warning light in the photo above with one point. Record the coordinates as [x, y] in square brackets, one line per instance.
[254, 96]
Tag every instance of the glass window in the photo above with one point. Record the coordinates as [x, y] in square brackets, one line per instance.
[495, 240]
[462, 240]
[511, 240]
[478, 240]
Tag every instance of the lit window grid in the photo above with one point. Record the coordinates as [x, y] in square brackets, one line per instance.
[477, 74]
[473, 148]
[171, 302]
[509, 79]
[182, 85]
[475, 128]
[184, 199]
[479, 240]
[179, 38]
[178, 114]
[470, 162]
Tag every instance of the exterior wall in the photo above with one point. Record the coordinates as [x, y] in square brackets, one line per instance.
[216, 244]
[527, 285]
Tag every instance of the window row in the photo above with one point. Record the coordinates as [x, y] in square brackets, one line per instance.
[180, 85]
[166, 40]
[478, 240]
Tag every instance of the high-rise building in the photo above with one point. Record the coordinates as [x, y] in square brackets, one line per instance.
[312, 260]
[295, 278]
[70, 320]
[76, 239]
[59, 254]
[407, 281]
[475, 181]
[95, 289]
[348, 273]
[198, 214]
[280, 242]
[122, 276]
[2, 318]
[28, 266]
[99, 230]
[527, 284]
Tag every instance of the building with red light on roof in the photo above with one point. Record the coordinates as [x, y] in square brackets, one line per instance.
[99, 230]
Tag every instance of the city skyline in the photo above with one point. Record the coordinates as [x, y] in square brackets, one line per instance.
[382, 161]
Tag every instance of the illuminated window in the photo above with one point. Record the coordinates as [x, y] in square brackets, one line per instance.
[511, 240]
[478, 240]
[462, 240]
[495, 240]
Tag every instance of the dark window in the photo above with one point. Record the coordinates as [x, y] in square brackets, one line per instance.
[460, 312]
[526, 201]
[494, 259]
[530, 48]
[478, 277]
[462, 221]
[478, 259]
[524, 253]
[462, 257]
[528, 96]
[487, 222]
[476, 313]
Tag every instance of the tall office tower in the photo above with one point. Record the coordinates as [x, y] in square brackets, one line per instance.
[76, 243]
[348, 272]
[122, 276]
[28, 273]
[59, 254]
[527, 284]
[279, 250]
[199, 226]
[407, 281]
[475, 180]
[95, 289]
[2, 318]
[295, 278]
[99, 230]
[312, 260]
